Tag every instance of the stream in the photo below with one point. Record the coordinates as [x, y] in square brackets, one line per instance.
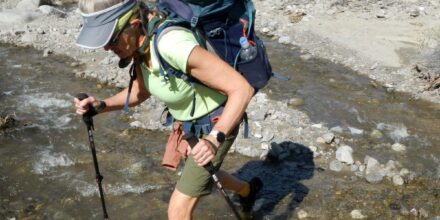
[46, 168]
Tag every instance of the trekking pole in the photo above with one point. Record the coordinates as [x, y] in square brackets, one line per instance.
[193, 140]
[88, 120]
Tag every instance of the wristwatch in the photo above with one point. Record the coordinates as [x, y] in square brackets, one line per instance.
[219, 136]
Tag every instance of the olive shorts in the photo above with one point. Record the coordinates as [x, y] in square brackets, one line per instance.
[196, 181]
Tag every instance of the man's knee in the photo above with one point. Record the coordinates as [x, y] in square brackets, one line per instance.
[181, 206]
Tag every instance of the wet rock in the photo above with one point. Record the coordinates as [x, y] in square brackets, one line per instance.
[354, 168]
[371, 164]
[414, 13]
[302, 214]
[284, 40]
[7, 122]
[258, 115]
[267, 135]
[374, 177]
[320, 140]
[398, 180]
[336, 165]
[47, 52]
[137, 124]
[296, 102]
[328, 138]
[251, 151]
[380, 14]
[376, 134]
[414, 212]
[49, 10]
[297, 16]
[398, 147]
[404, 172]
[337, 129]
[28, 5]
[404, 211]
[357, 214]
[355, 131]
[423, 213]
[344, 154]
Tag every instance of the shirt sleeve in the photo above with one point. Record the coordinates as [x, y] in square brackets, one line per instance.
[176, 46]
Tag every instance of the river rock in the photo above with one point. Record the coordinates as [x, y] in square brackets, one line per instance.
[371, 164]
[336, 165]
[423, 213]
[284, 40]
[328, 138]
[49, 10]
[374, 177]
[376, 134]
[302, 214]
[415, 12]
[355, 131]
[7, 122]
[296, 102]
[28, 5]
[344, 154]
[398, 180]
[16, 16]
[357, 214]
[267, 135]
[398, 147]
[250, 151]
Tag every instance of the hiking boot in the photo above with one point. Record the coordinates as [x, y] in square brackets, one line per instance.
[248, 202]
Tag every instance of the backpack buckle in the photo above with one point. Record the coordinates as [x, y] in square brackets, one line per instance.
[215, 32]
[194, 21]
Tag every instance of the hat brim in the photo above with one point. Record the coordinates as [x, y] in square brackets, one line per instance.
[96, 37]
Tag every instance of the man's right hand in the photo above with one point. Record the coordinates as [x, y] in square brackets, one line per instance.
[83, 106]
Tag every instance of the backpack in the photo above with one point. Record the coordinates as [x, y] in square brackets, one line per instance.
[218, 26]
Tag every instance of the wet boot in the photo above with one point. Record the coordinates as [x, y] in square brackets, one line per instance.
[248, 202]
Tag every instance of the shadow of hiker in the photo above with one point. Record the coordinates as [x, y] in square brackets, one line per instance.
[286, 164]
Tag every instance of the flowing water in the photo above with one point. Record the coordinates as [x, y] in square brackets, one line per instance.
[46, 168]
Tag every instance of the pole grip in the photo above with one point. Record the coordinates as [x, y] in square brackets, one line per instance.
[192, 141]
[88, 116]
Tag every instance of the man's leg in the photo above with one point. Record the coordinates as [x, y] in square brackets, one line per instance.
[231, 182]
[181, 206]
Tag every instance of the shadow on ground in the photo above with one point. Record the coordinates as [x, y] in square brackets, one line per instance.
[286, 164]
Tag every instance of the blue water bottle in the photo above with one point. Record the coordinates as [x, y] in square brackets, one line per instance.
[247, 51]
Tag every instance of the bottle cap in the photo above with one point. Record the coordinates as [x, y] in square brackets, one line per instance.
[244, 42]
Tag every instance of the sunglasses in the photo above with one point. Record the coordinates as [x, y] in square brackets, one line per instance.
[116, 36]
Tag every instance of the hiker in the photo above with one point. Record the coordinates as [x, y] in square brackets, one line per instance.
[126, 27]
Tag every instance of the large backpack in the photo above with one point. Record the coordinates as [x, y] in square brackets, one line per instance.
[218, 26]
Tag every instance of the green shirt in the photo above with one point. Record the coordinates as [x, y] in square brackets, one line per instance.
[175, 47]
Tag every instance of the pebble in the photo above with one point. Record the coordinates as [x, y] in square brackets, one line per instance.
[404, 211]
[374, 177]
[376, 134]
[398, 180]
[423, 213]
[47, 52]
[296, 102]
[320, 140]
[284, 40]
[302, 214]
[336, 165]
[328, 138]
[357, 214]
[398, 147]
[344, 154]
[355, 131]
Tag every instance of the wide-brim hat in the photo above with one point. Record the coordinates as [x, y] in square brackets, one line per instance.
[98, 27]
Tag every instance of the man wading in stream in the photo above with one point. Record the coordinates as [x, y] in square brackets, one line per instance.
[212, 106]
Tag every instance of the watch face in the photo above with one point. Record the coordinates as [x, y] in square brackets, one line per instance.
[221, 137]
